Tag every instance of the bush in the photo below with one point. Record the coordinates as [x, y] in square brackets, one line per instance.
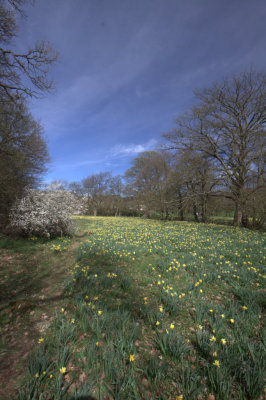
[45, 213]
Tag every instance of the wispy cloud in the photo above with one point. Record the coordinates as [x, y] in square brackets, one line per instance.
[132, 149]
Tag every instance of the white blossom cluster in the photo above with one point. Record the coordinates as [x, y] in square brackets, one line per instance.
[46, 213]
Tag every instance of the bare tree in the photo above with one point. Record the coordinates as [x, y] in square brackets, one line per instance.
[228, 126]
[21, 73]
[97, 187]
[148, 182]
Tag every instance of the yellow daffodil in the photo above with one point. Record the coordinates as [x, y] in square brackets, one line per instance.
[216, 363]
[132, 357]
[223, 341]
[157, 323]
[63, 370]
[232, 321]
[172, 326]
[62, 309]
[213, 339]
[100, 312]
[41, 340]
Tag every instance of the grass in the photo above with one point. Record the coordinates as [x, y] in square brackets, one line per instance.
[152, 310]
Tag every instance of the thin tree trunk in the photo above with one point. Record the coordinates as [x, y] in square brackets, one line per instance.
[195, 212]
[180, 206]
[203, 208]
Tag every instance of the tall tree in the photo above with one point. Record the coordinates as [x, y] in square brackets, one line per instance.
[97, 187]
[23, 153]
[228, 126]
[147, 181]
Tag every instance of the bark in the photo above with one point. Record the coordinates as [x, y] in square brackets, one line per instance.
[240, 216]
[180, 206]
[195, 212]
[203, 208]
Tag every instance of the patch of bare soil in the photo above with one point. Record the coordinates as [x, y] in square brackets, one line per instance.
[28, 319]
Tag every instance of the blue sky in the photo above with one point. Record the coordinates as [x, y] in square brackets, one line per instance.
[128, 67]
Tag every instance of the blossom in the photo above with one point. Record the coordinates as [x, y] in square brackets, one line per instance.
[62, 310]
[172, 326]
[132, 357]
[216, 363]
[232, 321]
[244, 307]
[200, 327]
[41, 340]
[213, 339]
[100, 312]
[223, 341]
[157, 323]
[222, 315]
[72, 320]
[63, 370]
[56, 207]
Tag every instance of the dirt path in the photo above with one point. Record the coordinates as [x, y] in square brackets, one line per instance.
[31, 291]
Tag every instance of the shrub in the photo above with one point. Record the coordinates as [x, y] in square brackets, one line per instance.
[45, 213]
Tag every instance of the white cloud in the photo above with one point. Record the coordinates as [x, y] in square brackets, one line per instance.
[132, 149]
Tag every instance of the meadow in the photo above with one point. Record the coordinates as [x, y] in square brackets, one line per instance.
[153, 310]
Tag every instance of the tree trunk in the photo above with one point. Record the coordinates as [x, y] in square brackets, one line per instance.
[195, 212]
[240, 216]
[203, 208]
[95, 212]
[180, 206]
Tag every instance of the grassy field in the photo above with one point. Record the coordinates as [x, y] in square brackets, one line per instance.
[146, 310]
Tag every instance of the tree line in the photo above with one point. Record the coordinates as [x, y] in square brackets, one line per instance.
[213, 160]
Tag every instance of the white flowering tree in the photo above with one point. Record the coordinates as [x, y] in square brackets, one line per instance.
[45, 213]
